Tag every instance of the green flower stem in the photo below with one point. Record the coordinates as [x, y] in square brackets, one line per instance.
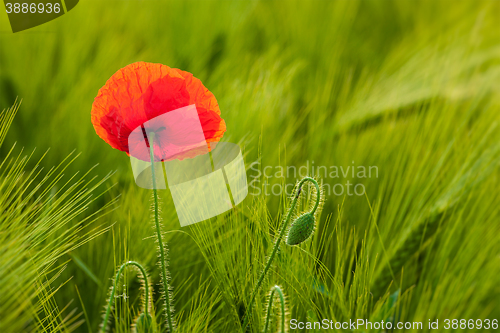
[270, 306]
[277, 243]
[112, 296]
[160, 241]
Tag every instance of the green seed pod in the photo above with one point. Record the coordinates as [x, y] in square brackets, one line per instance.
[301, 229]
[144, 323]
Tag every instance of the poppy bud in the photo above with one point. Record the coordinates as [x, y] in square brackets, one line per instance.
[144, 323]
[301, 229]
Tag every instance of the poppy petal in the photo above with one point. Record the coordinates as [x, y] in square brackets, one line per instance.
[143, 91]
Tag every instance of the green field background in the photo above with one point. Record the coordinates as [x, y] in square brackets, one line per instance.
[411, 87]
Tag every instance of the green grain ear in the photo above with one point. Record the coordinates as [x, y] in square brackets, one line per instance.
[302, 228]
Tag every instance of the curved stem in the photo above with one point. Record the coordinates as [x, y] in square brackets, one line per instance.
[270, 306]
[112, 296]
[318, 195]
[160, 241]
[277, 243]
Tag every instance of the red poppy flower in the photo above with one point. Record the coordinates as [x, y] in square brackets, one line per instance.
[140, 93]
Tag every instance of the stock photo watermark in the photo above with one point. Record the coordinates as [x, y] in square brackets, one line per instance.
[337, 180]
[365, 324]
[26, 14]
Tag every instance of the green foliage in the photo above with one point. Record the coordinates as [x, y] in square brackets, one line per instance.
[42, 218]
[411, 88]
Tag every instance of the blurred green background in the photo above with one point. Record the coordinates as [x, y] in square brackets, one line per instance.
[412, 87]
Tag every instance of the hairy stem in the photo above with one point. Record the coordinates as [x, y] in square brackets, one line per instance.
[112, 296]
[277, 244]
[270, 306]
[160, 241]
